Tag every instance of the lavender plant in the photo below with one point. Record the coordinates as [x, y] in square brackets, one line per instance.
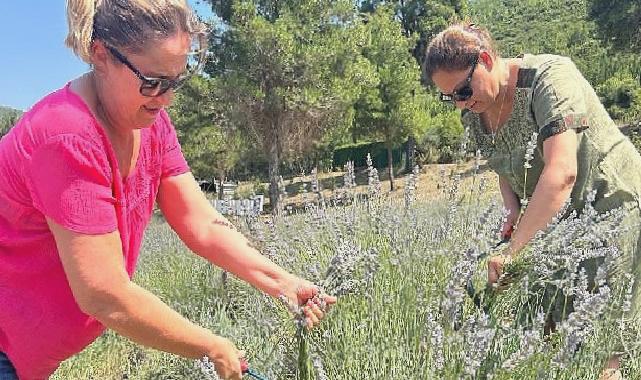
[402, 268]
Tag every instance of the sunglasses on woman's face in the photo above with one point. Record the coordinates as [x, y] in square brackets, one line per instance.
[153, 87]
[463, 93]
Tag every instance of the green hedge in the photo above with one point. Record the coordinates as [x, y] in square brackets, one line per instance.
[358, 154]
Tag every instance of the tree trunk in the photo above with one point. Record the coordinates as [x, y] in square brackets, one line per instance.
[274, 175]
[219, 188]
[390, 163]
[219, 185]
[410, 154]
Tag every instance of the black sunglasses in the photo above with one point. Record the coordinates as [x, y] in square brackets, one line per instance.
[150, 86]
[465, 92]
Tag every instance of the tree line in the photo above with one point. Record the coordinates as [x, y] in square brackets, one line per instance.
[288, 82]
[8, 117]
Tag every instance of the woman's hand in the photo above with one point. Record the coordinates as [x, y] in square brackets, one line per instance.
[226, 359]
[495, 268]
[314, 304]
[507, 229]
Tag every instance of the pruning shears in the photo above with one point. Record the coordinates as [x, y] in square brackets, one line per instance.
[244, 367]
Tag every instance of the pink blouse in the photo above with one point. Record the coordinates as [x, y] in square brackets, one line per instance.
[57, 162]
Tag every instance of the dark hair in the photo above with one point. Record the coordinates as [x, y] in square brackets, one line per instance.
[456, 48]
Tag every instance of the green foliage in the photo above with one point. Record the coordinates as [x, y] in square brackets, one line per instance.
[634, 134]
[292, 80]
[563, 27]
[302, 77]
[621, 96]
[442, 140]
[8, 118]
[358, 153]
[618, 22]
[543, 26]
[396, 106]
[288, 72]
[422, 19]
[210, 145]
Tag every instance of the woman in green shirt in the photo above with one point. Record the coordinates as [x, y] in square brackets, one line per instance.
[578, 148]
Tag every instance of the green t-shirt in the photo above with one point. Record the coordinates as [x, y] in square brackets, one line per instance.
[551, 97]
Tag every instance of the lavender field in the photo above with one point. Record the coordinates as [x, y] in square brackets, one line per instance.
[406, 271]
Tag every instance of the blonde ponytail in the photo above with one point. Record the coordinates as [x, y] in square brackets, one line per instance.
[80, 19]
[128, 24]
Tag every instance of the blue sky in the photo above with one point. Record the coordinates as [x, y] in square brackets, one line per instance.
[33, 58]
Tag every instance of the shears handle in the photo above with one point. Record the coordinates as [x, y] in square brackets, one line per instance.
[244, 365]
[244, 368]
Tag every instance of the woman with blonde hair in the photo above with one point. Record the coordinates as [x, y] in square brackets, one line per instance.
[81, 172]
[577, 149]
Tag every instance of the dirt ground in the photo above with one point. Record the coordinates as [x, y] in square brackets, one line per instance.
[431, 182]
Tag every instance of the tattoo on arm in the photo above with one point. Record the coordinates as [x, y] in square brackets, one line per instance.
[224, 223]
[229, 225]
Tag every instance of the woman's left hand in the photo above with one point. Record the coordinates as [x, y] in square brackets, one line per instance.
[313, 303]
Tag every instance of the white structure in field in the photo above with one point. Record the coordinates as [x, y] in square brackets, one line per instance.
[240, 207]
